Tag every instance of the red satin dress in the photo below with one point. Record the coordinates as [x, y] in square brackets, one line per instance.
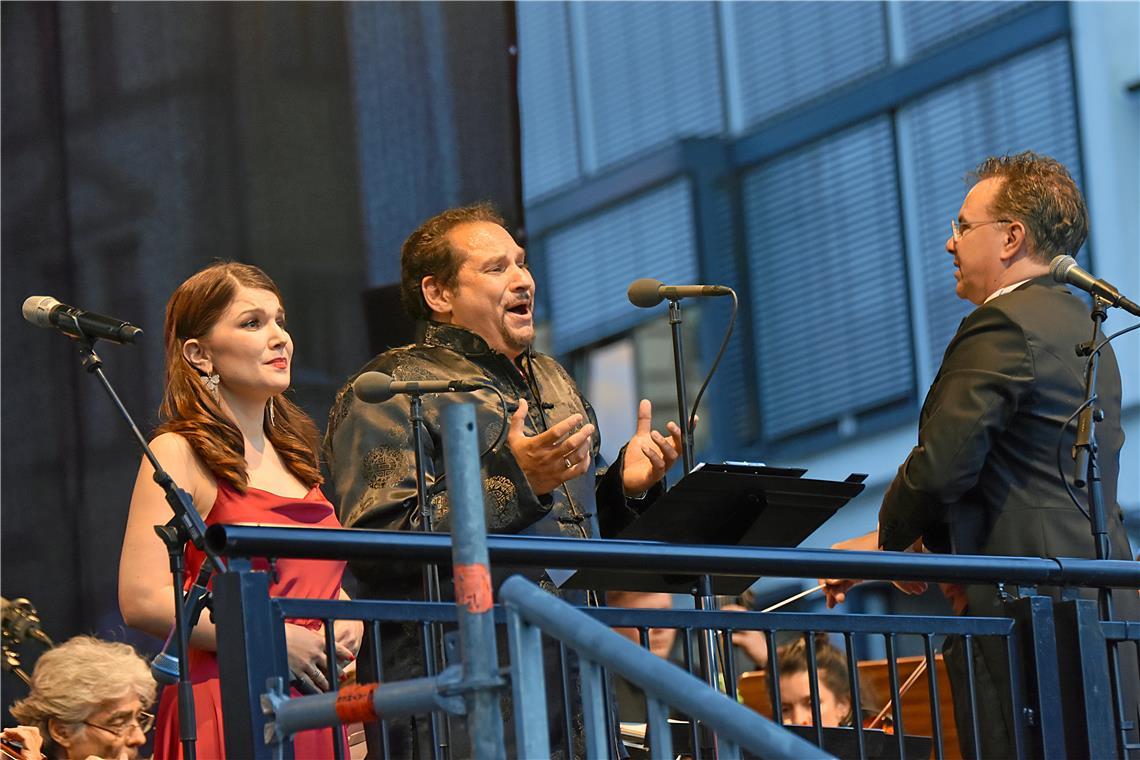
[306, 579]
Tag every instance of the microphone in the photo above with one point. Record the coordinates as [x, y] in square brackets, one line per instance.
[1064, 269]
[377, 387]
[648, 292]
[21, 621]
[45, 311]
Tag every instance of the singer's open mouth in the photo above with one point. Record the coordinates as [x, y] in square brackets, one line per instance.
[521, 309]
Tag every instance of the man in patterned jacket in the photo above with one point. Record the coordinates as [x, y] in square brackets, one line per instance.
[464, 273]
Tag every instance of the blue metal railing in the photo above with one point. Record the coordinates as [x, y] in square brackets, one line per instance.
[254, 670]
[530, 610]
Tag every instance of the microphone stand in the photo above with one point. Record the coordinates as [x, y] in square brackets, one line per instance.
[430, 571]
[1087, 475]
[1087, 470]
[702, 592]
[679, 374]
[185, 525]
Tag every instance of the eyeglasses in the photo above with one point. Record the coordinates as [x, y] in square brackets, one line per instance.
[959, 230]
[144, 721]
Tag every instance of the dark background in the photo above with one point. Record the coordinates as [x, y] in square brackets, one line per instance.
[143, 140]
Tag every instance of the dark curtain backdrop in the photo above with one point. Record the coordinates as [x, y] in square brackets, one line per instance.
[142, 140]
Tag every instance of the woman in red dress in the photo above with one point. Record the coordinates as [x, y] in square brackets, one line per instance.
[244, 453]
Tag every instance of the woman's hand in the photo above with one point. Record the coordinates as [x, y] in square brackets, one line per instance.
[306, 651]
[348, 635]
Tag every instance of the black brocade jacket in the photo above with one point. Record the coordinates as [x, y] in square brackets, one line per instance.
[368, 448]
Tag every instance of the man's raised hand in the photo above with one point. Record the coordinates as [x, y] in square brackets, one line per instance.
[553, 457]
[649, 454]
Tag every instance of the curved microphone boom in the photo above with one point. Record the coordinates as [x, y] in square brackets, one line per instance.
[647, 292]
[1064, 269]
[378, 387]
[45, 311]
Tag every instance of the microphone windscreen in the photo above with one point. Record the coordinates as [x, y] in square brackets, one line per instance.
[645, 292]
[37, 310]
[1060, 267]
[372, 387]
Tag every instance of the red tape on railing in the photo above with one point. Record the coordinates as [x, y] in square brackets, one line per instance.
[354, 703]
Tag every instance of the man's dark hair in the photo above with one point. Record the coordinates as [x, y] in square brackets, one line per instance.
[1038, 191]
[427, 251]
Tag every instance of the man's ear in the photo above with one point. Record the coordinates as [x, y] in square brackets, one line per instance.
[1016, 243]
[436, 295]
[59, 734]
[194, 352]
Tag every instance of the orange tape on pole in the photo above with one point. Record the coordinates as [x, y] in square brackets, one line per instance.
[354, 703]
[473, 587]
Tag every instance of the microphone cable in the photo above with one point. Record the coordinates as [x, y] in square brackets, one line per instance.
[716, 362]
[1061, 436]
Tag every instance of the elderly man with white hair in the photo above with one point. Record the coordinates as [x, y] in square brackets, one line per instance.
[87, 698]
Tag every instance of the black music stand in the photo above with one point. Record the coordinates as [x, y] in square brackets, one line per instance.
[731, 504]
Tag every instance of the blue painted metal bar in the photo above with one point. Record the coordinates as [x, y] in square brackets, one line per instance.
[657, 729]
[935, 707]
[593, 707]
[394, 699]
[251, 652]
[972, 695]
[856, 702]
[1088, 705]
[1017, 690]
[813, 685]
[473, 593]
[580, 631]
[339, 748]
[656, 558]
[896, 701]
[528, 686]
[1034, 615]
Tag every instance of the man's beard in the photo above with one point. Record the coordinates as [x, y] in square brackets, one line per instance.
[514, 340]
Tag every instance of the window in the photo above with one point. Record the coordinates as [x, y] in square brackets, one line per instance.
[828, 281]
[589, 264]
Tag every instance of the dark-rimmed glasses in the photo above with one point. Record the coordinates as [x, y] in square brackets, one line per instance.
[144, 721]
[958, 230]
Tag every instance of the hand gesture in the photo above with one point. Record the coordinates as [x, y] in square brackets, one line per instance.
[835, 589]
[348, 634]
[553, 457]
[648, 455]
[754, 644]
[27, 736]
[306, 651]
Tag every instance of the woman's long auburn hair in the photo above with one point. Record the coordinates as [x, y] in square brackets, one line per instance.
[191, 411]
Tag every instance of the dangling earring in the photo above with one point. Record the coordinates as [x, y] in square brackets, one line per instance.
[212, 382]
[272, 418]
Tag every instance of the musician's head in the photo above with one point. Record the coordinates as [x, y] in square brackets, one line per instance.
[795, 685]
[88, 697]
[660, 639]
[1039, 191]
[462, 267]
[1023, 210]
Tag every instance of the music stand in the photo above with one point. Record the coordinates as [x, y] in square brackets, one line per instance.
[731, 504]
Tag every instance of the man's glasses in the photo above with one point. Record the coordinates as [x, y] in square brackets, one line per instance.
[958, 230]
[144, 721]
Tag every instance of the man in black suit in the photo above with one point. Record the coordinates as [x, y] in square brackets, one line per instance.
[983, 478]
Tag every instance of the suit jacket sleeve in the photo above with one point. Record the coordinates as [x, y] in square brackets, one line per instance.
[986, 373]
